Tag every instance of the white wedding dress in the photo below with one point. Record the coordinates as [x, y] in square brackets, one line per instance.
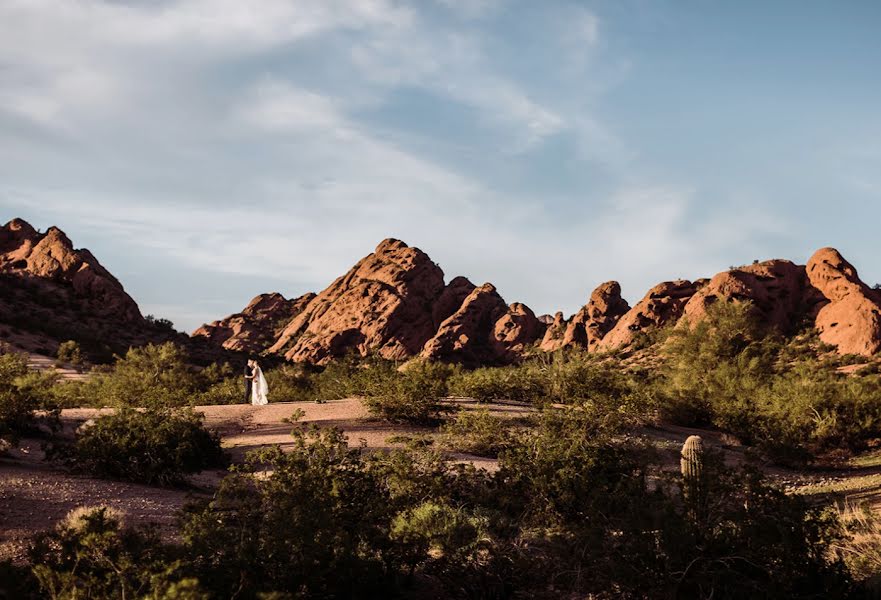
[259, 389]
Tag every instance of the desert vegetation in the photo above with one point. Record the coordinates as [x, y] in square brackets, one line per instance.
[581, 503]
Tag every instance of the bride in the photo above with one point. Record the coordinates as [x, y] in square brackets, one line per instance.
[260, 388]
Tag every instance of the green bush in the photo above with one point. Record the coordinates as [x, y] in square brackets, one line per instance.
[728, 373]
[150, 376]
[519, 383]
[290, 383]
[315, 526]
[22, 392]
[154, 446]
[92, 555]
[477, 432]
[412, 396]
[70, 352]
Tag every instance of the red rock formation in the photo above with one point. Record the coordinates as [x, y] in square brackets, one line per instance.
[663, 304]
[595, 319]
[515, 331]
[384, 303]
[25, 253]
[257, 326]
[467, 336]
[776, 289]
[451, 299]
[850, 316]
[553, 337]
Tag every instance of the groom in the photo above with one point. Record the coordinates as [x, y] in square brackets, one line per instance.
[249, 379]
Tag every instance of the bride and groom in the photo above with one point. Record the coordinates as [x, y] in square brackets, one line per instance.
[256, 389]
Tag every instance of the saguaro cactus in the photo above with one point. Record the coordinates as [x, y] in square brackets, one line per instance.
[692, 467]
[692, 462]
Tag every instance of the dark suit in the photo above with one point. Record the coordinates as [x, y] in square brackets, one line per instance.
[248, 373]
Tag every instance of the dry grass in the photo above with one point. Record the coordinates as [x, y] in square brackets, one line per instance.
[861, 551]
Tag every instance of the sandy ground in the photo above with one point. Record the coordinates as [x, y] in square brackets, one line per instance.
[34, 495]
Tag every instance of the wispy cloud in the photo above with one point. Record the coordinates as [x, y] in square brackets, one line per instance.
[236, 137]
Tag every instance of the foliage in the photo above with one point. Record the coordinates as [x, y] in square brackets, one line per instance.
[477, 432]
[315, 526]
[70, 352]
[92, 555]
[487, 384]
[22, 392]
[154, 446]
[413, 395]
[726, 372]
[151, 376]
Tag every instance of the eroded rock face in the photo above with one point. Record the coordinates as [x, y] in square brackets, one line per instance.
[849, 317]
[468, 335]
[776, 288]
[663, 304]
[515, 331]
[596, 318]
[50, 256]
[257, 326]
[451, 299]
[553, 337]
[384, 303]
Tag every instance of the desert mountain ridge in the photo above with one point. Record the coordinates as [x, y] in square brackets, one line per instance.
[395, 303]
[52, 292]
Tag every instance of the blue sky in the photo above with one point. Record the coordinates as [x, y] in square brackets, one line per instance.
[207, 151]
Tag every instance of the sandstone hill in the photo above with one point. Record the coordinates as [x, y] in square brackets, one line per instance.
[394, 303]
[258, 325]
[52, 292]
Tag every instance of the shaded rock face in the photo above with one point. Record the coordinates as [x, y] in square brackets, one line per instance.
[257, 326]
[663, 304]
[468, 335]
[385, 303]
[51, 257]
[590, 324]
[849, 314]
[776, 289]
[553, 336]
[515, 331]
[451, 299]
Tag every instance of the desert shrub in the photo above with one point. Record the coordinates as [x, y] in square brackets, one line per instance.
[92, 555]
[714, 367]
[70, 352]
[153, 376]
[412, 396]
[751, 540]
[22, 392]
[809, 410]
[436, 529]
[351, 376]
[573, 378]
[518, 383]
[726, 372]
[315, 526]
[290, 383]
[477, 432]
[154, 446]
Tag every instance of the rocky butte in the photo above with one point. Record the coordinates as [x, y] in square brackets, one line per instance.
[394, 303]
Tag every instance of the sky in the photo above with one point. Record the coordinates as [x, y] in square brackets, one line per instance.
[207, 151]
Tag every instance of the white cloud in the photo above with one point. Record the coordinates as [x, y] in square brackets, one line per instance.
[188, 128]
